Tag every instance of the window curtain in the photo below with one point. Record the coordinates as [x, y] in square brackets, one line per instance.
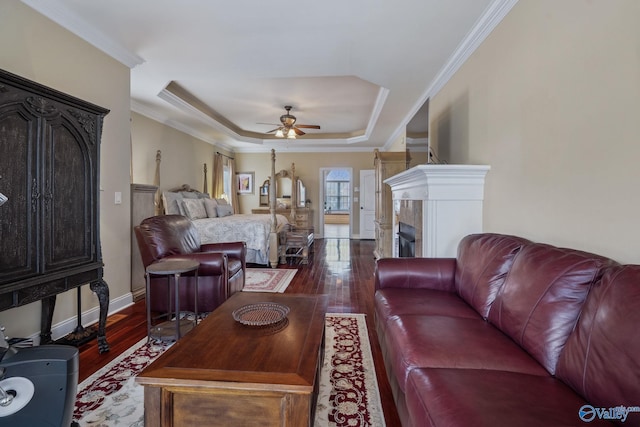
[233, 197]
[218, 176]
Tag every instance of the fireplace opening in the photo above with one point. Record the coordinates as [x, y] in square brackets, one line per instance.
[406, 240]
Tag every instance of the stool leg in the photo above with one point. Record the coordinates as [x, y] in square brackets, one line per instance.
[148, 302]
[169, 309]
[196, 300]
[176, 280]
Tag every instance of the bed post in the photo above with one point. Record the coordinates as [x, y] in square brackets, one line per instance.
[294, 194]
[157, 200]
[274, 251]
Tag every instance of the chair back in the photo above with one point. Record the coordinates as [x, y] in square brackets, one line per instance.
[163, 235]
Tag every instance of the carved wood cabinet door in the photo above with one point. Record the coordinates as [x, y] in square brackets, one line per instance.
[48, 165]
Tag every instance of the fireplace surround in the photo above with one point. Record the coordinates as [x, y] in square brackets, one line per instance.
[442, 203]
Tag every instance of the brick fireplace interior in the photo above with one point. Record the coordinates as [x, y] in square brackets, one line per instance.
[410, 228]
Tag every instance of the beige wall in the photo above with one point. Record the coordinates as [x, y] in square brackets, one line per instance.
[40, 50]
[183, 156]
[550, 101]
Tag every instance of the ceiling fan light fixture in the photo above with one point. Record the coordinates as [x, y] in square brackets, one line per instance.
[291, 134]
[279, 134]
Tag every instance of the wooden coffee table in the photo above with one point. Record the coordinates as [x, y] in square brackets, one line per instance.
[225, 373]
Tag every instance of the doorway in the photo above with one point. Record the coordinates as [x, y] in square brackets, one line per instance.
[337, 202]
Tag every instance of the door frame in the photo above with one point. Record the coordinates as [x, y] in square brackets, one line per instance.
[321, 191]
[361, 202]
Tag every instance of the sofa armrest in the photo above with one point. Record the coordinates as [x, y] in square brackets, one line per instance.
[232, 249]
[416, 273]
[211, 263]
[236, 250]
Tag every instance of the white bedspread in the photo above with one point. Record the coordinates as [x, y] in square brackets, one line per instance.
[253, 229]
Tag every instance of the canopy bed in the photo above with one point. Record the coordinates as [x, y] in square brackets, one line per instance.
[215, 221]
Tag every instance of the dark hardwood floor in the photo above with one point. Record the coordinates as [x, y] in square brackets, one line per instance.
[340, 268]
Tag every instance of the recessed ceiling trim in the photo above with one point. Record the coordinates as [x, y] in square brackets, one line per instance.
[183, 105]
[64, 17]
[383, 93]
[153, 115]
[490, 19]
[296, 147]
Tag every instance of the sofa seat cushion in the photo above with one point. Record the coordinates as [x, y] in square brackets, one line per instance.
[419, 341]
[478, 397]
[542, 296]
[390, 302]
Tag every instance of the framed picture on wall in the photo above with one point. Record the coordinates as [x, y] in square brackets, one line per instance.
[245, 182]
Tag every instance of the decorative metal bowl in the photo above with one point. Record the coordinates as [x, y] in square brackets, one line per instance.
[261, 313]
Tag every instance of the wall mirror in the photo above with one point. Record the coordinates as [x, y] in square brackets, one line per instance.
[283, 184]
[289, 190]
[301, 197]
[264, 193]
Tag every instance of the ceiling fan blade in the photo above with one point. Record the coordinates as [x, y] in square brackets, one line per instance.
[272, 124]
[298, 131]
[273, 130]
[308, 126]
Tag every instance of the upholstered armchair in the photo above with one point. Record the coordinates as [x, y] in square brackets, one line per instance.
[174, 237]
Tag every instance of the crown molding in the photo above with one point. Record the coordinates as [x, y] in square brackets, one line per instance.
[60, 14]
[490, 19]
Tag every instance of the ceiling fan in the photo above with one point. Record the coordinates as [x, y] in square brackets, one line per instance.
[288, 127]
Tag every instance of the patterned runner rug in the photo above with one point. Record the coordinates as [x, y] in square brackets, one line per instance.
[348, 393]
[268, 279]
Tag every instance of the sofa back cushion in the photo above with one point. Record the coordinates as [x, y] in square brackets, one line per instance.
[163, 235]
[482, 264]
[601, 359]
[542, 295]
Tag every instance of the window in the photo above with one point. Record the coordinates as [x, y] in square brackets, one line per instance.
[227, 182]
[337, 191]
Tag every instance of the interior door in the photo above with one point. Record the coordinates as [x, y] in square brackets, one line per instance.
[367, 203]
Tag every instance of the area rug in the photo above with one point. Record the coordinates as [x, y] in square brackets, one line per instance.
[348, 393]
[110, 397]
[268, 279]
[348, 390]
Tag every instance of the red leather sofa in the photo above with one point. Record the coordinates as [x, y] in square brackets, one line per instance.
[222, 268]
[510, 332]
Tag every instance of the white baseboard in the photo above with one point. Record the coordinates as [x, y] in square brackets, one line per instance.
[89, 317]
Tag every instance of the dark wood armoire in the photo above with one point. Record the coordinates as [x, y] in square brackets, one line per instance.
[49, 223]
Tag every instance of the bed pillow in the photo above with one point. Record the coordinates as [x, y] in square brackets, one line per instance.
[189, 194]
[194, 208]
[222, 201]
[172, 203]
[210, 206]
[224, 210]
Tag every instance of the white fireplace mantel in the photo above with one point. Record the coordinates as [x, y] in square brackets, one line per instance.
[452, 197]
